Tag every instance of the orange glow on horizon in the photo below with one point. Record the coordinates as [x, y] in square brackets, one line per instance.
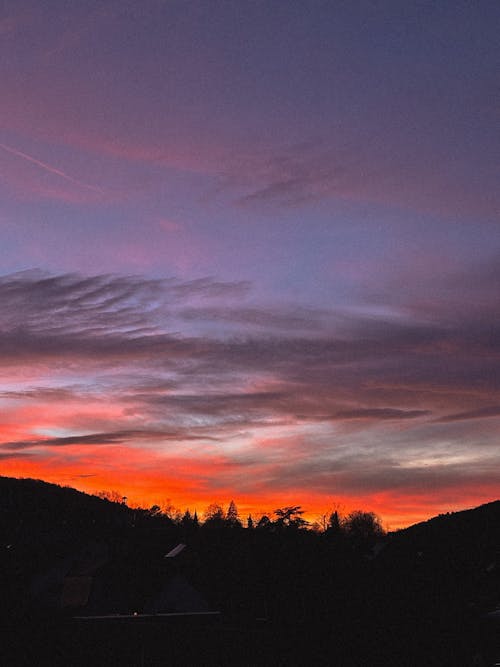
[181, 489]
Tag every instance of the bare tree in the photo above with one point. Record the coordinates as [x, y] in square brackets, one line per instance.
[172, 512]
[112, 496]
[214, 515]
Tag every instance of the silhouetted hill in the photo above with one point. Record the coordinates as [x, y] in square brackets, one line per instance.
[458, 551]
[34, 501]
[40, 521]
[472, 523]
[41, 524]
[436, 580]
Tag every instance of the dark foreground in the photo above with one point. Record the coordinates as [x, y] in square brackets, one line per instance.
[85, 582]
[156, 642]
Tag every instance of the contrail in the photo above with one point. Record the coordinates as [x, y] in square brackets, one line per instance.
[50, 169]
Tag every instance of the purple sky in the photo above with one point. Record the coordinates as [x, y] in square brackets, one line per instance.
[252, 249]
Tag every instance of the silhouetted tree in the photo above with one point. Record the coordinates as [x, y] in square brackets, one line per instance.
[187, 519]
[250, 522]
[334, 524]
[362, 527]
[189, 523]
[232, 516]
[264, 522]
[112, 496]
[320, 525]
[172, 512]
[290, 517]
[214, 515]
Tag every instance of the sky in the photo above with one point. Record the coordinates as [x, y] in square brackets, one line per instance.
[251, 251]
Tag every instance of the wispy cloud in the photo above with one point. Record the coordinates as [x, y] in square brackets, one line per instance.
[49, 168]
[308, 407]
[117, 438]
[353, 168]
[291, 318]
[480, 413]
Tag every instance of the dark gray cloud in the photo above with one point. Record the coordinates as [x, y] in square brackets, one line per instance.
[90, 439]
[42, 394]
[116, 438]
[246, 409]
[480, 413]
[293, 174]
[379, 478]
[5, 456]
[347, 166]
[381, 413]
[207, 288]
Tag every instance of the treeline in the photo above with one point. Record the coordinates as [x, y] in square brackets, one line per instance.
[358, 524]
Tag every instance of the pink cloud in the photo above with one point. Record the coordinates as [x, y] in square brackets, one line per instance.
[380, 409]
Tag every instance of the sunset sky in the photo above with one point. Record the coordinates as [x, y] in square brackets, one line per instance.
[251, 250]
